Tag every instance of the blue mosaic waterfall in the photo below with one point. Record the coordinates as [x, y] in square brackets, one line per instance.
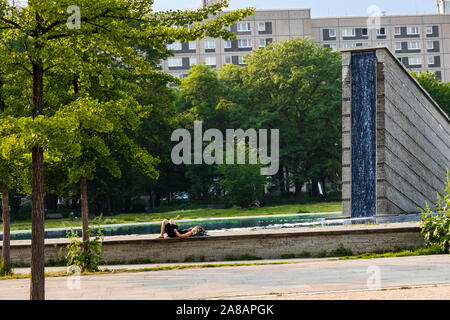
[363, 128]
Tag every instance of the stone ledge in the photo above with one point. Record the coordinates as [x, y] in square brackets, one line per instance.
[262, 243]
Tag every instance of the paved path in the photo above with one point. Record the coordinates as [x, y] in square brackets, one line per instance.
[305, 277]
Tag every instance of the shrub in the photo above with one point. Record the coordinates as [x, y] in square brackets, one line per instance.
[24, 213]
[243, 183]
[321, 254]
[304, 254]
[4, 270]
[138, 205]
[435, 227]
[341, 251]
[287, 256]
[88, 257]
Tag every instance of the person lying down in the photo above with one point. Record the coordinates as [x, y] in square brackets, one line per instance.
[171, 228]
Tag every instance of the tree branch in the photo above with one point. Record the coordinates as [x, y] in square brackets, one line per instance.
[16, 25]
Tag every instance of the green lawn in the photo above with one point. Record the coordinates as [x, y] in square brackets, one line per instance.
[188, 214]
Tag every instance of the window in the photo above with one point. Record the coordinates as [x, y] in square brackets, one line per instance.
[262, 43]
[430, 45]
[227, 28]
[348, 32]
[244, 43]
[429, 30]
[412, 30]
[364, 31]
[333, 46]
[430, 61]
[241, 60]
[227, 44]
[398, 46]
[261, 26]
[364, 44]
[243, 27]
[210, 61]
[415, 61]
[413, 45]
[192, 61]
[397, 31]
[192, 45]
[381, 31]
[332, 33]
[210, 44]
[174, 46]
[381, 44]
[349, 45]
[227, 60]
[175, 62]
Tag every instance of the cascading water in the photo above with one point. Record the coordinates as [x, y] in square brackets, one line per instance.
[363, 126]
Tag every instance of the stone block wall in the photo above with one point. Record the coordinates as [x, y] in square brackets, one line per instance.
[264, 245]
[412, 139]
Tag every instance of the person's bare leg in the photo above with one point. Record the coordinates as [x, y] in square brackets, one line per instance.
[163, 226]
[187, 234]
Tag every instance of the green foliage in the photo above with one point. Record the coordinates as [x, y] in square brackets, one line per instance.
[434, 249]
[435, 226]
[4, 270]
[341, 251]
[86, 256]
[304, 254]
[243, 183]
[320, 254]
[439, 91]
[24, 213]
[294, 86]
[243, 257]
[138, 205]
[287, 256]
[91, 78]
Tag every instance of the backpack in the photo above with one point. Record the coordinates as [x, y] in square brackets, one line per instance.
[200, 232]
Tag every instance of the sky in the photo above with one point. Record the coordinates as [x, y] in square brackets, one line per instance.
[319, 8]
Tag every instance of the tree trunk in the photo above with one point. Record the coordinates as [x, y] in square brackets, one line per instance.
[281, 180]
[37, 287]
[5, 210]
[84, 211]
[151, 200]
[298, 191]
[52, 201]
[6, 228]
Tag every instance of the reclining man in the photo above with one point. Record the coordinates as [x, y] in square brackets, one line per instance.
[172, 231]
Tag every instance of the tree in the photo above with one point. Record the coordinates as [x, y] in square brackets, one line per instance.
[14, 171]
[47, 41]
[287, 82]
[243, 183]
[439, 91]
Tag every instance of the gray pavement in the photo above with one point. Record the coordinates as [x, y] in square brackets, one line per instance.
[303, 277]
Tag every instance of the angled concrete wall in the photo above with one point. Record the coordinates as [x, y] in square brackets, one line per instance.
[412, 139]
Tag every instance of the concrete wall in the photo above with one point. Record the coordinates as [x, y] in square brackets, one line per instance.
[261, 244]
[413, 139]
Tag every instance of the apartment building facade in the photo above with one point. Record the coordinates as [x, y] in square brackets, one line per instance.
[420, 42]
